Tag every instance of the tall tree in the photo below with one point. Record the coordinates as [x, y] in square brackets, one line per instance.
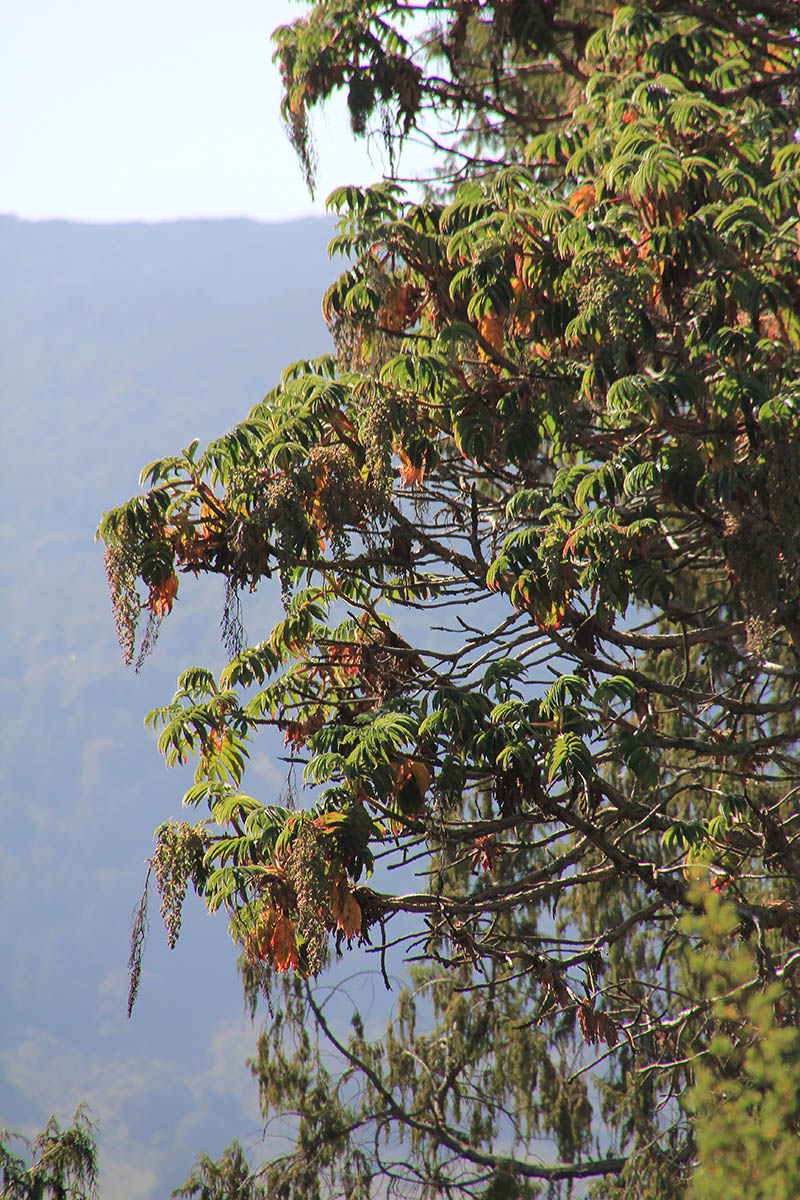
[58, 1164]
[536, 526]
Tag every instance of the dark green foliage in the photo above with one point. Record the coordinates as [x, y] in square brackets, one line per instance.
[229, 1178]
[59, 1164]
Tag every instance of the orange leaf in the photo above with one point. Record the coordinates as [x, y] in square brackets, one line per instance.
[297, 733]
[411, 783]
[396, 308]
[409, 474]
[345, 908]
[548, 616]
[490, 327]
[162, 595]
[258, 943]
[284, 945]
[583, 199]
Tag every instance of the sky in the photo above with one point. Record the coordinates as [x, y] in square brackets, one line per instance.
[158, 110]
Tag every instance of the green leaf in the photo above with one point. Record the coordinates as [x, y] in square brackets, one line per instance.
[569, 757]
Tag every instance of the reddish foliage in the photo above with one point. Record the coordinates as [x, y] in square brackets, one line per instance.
[162, 595]
[485, 853]
[345, 908]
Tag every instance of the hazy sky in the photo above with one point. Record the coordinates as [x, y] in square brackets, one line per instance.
[155, 110]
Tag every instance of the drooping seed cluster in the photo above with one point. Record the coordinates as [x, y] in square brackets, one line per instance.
[178, 860]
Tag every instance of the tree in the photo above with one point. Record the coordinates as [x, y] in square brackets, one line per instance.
[59, 1164]
[536, 528]
[746, 1096]
[228, 1179]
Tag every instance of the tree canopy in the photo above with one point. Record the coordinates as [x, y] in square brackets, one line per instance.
[58, 1164]
[536, 530]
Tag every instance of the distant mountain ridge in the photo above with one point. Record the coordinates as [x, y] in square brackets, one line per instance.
[188, 323]
[233, 260]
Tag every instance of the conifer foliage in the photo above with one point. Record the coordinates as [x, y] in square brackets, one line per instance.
[536, 529]
[58, 1164]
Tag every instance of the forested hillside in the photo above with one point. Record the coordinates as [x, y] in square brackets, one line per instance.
[116, 341]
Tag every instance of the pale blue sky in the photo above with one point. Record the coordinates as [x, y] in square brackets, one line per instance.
[157, 110]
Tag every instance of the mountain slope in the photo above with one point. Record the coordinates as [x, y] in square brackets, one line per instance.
[117, 344]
